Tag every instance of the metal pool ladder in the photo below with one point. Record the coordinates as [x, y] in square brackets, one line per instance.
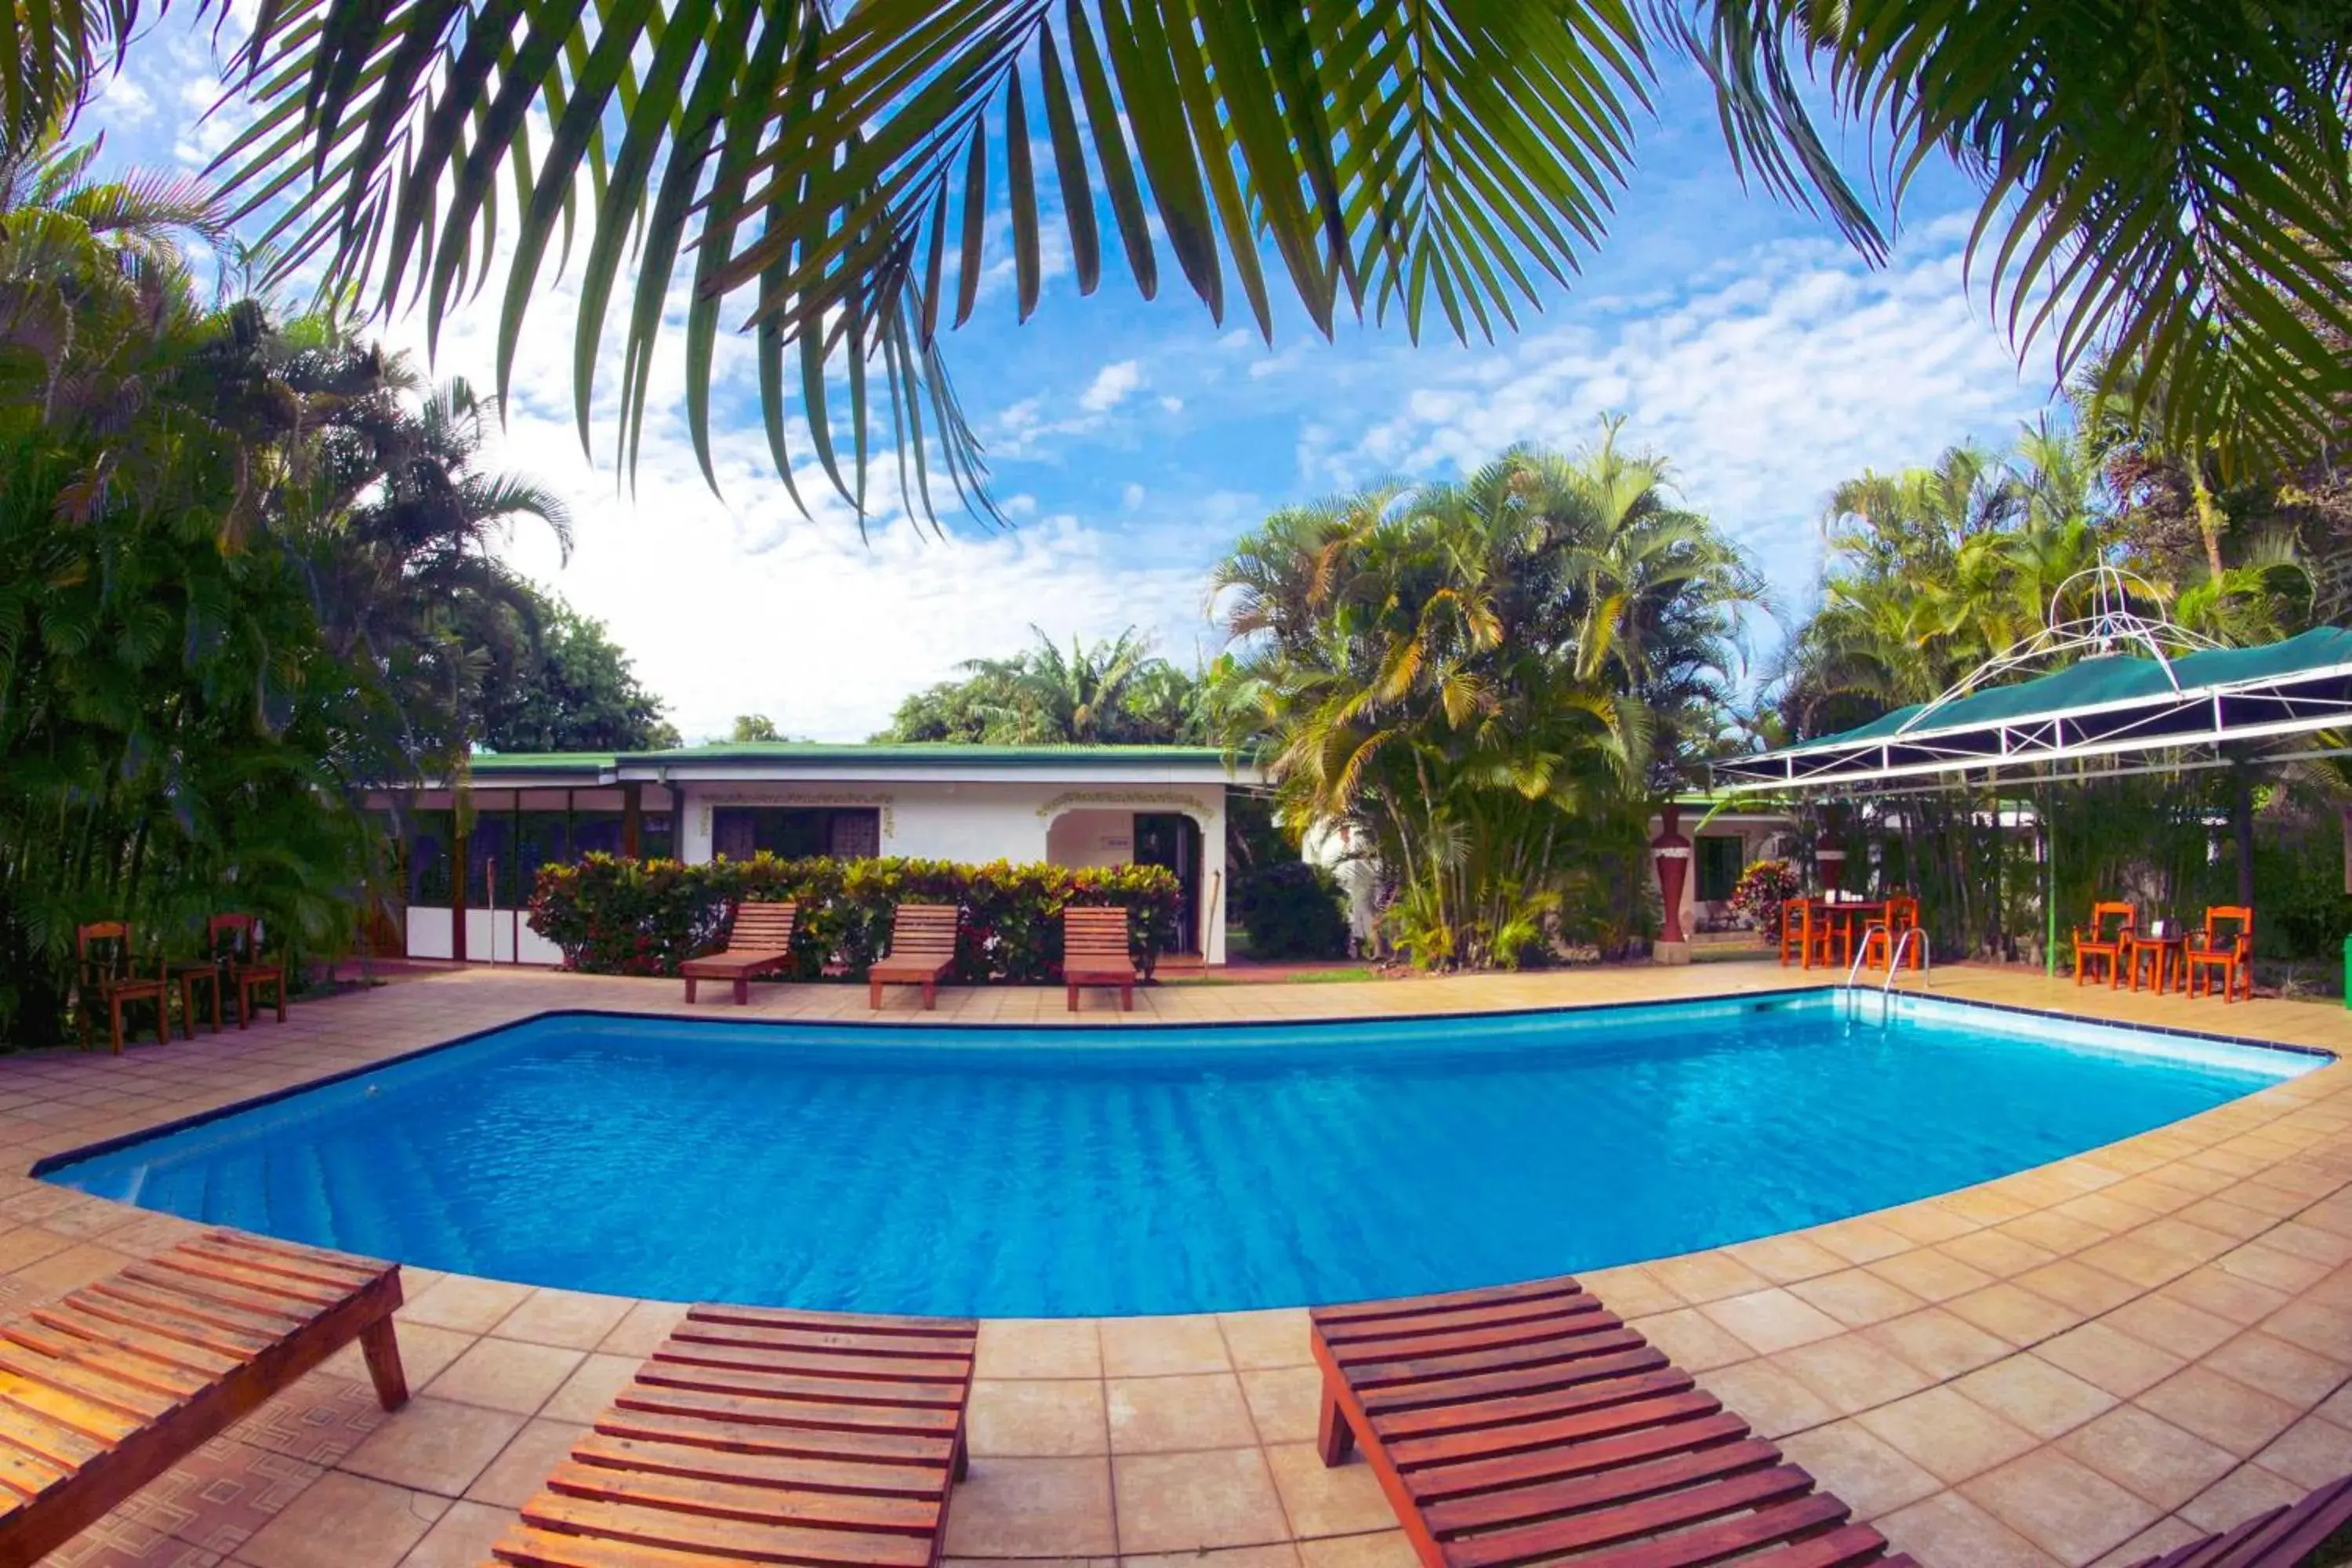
[1894, 968]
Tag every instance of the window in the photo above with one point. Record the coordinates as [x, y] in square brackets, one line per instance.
[843, 833]
[1720, 860]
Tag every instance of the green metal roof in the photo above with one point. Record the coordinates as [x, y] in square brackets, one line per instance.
[540, 762]
[2117, 679]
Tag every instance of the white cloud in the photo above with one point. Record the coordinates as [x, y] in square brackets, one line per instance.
[1131, 496]
[1172, 405]
[122, 99]
[1111, 386]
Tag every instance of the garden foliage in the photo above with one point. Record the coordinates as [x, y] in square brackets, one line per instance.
[1292, 909]
[615, 916]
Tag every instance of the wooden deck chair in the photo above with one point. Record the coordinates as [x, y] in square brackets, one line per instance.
[1094, 952]
[2287, 1536]
[2098, 939]
[757, 1435]
[923, 949]
[114, 1384]
[109, 979]
[1529, 1422]
[2227, 945]
[759, 941]
[233, 943]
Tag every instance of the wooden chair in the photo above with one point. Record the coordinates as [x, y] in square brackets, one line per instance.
[758, 1435]
[759, 940]
[1803, 931]
[2230, 951]
[1527, 1422]
[1094, 952]
[2095, 941]
[109, 980]
[2287, 1536]
[233, 940]
[1880, 936]
[923, 949]
[122, 1379]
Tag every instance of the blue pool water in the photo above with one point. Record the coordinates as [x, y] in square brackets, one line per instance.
[1036, 1173]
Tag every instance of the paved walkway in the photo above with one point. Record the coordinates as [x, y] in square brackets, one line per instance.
[2074, 1364]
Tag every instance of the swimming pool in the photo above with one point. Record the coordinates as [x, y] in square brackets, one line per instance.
[1077, 1172]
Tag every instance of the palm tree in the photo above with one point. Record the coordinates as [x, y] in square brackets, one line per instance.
[2167, 178]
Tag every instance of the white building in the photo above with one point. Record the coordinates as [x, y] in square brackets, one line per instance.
[1066, 806]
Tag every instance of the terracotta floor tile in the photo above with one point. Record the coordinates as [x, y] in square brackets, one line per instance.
[423, 1351]
[1692, 1340]
[2313, 1326]
[520, 1470]
[1034, 1508]
[1931, 1275]
[2228, 1296]
[2271, 1266]
[1186, 1502]
[2173, 1325]
[2043, 1399]
[1946, 1531]
[506, 1375]
[1850, 1372]
[1770, 1320]
[433, 1444]
[1037, 1417]
[1859, 1241]
[1631, 1291]
[1869, 1475]
[2061, 1505]
[1997, 1253]
[2219, 1409]
[1166, 1415]
[461, 1537]
[2079, 1285]
[2147, 1456]
[1946, 1433]
[1387, 1549]
[463, 1302]
[345, 1521]
[317, 1422]
[642, 1330]
[2239, 1496]
[2111, 1359]
[1285, 1402]
[1771, 1401]
[2311, 1453]
[1707, 1276]
[1154, 1347]
[1784, 1259]
[1038, 1347]
[2165, 1535]
[574, 1320]
[2277, 1368]
[1856, 1297]
[1321, 1499]
[219, 1496]
[1273, 1339]
[1937, 1342]
[2054, 1233]
[2013, 1313]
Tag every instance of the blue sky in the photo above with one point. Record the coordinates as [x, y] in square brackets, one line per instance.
[1132, 441]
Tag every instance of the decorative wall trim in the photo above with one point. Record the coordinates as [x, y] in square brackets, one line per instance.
[1085, 799]
[769, 799]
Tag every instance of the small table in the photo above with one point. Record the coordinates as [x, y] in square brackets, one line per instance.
[1844, 923]
[2171, 965]
[190, 976]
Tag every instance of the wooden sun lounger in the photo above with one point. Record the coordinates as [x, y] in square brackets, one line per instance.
[923, 949]
[758, 1435]
[1094, 953]
[2285, 1537]
[109, 1388]
[759, 940]
[1530, 1422]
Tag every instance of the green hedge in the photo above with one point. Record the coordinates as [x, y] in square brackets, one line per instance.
[613, 916]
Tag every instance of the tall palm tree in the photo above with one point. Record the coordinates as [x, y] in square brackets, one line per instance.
[2165, 177]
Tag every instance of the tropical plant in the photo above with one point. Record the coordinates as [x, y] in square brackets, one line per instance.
[577, 692]
[1480, 681]
[1112, 691]
[2165, 179]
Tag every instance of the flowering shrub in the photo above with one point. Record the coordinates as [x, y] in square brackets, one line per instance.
[613, 916]
[1762, 888]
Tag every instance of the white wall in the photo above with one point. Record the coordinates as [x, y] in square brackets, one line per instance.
[1091, 838]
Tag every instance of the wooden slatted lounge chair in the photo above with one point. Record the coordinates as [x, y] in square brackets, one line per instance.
[2285, 1537]
[923, 949]
[759, 940]
[234, 944]
[2101, 940]
[1530, 1422]
[109, 980]
[1094, 952]
[757, 1435]
[2227, 945]
[112, 1386]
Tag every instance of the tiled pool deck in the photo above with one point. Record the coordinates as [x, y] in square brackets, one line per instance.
[2078, 1364]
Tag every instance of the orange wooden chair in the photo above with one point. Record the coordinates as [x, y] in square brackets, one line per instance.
[922, 950]
[1802, 932]
[2095, 940]
[2230, 949]
[1880, 936]
[235, 942]
[1094, 952]
[110, 979]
